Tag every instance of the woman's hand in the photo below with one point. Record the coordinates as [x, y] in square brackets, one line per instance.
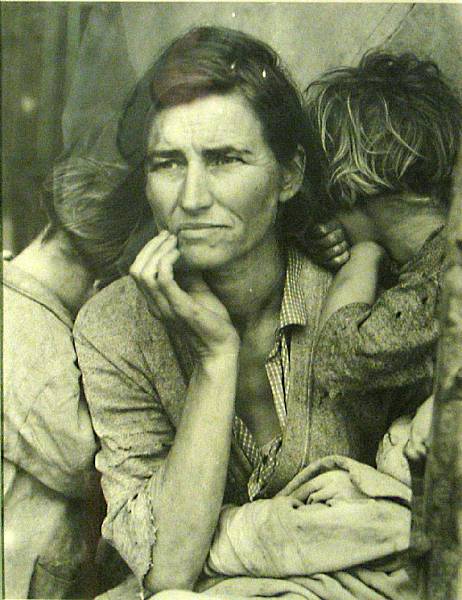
[194, 309]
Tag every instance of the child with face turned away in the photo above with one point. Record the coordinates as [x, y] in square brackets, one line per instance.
[390, 132]
[51, 495]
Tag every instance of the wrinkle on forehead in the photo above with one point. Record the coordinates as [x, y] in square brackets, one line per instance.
[213, 121]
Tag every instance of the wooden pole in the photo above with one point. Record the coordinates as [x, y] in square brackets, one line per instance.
[441, 568]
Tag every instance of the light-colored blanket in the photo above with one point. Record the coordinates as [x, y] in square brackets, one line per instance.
[338, 550]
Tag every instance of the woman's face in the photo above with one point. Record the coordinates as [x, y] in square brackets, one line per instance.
[213, 180]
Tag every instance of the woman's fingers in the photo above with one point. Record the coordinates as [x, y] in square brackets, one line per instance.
[306, 489]
[196, 308]
[325, 493]
[146, 264]
[156, 261]
[145, 255]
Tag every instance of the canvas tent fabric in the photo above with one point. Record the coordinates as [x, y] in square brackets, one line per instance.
[122, 39]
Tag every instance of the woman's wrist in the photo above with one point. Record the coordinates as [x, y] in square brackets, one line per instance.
[223, 357]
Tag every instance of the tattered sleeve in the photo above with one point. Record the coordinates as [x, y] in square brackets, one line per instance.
[390, 344]
[135, 435]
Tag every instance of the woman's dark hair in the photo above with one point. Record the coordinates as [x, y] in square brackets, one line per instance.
[214, 60]
[392, 124]
[96, 205]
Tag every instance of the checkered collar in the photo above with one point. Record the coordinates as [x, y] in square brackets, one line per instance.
[293, 308]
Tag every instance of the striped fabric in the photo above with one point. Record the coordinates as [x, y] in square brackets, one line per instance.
[263, 460]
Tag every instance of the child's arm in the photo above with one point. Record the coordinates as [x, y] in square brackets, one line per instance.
[357, 280]
[389, 344]
[371, 342]
[419, 441]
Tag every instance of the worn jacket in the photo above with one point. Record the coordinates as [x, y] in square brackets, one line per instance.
[48, 443]
[135, 375]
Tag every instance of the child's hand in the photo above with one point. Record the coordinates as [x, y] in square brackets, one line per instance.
[419, 440]
[328, 486]
[327, 244]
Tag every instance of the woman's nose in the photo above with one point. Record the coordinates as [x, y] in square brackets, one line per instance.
[195, 194]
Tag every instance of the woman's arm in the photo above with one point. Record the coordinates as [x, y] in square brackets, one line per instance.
[194, 477]
[194, 474]
[134, 387]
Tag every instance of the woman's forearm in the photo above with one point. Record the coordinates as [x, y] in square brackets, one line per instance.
[195, 476]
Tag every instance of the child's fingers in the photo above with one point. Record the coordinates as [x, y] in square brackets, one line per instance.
[338, 261]
[337, 236]
[415, 451]
[321, 229]
[334, 251]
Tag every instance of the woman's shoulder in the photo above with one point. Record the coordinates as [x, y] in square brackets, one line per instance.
[119, 310]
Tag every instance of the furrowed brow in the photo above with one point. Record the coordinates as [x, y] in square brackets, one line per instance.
[222, 150]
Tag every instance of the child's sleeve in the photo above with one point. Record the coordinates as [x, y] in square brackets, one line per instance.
[389, 344]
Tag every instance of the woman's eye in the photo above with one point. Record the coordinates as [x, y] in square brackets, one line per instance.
[224, 159]
[164, 165]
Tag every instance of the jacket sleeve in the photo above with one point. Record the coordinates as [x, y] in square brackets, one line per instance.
[47, 427]
[390, 344]
[135, 436]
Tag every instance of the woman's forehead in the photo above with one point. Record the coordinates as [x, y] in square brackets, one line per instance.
[216, 119]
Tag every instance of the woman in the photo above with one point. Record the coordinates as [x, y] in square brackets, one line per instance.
[198, 367]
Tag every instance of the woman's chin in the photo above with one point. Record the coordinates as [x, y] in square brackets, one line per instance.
[201, 259]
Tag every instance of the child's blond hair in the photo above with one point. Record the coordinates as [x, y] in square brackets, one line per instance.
[390, 125]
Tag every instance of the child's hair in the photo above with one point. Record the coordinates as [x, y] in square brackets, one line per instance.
[391, 124]
[96, 205]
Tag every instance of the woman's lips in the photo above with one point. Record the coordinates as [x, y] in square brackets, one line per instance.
[188, 226]
[198, 230]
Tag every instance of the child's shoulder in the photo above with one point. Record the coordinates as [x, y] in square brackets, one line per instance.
[431, 259]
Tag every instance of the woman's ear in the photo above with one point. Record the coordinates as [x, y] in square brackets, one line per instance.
[292, 175]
